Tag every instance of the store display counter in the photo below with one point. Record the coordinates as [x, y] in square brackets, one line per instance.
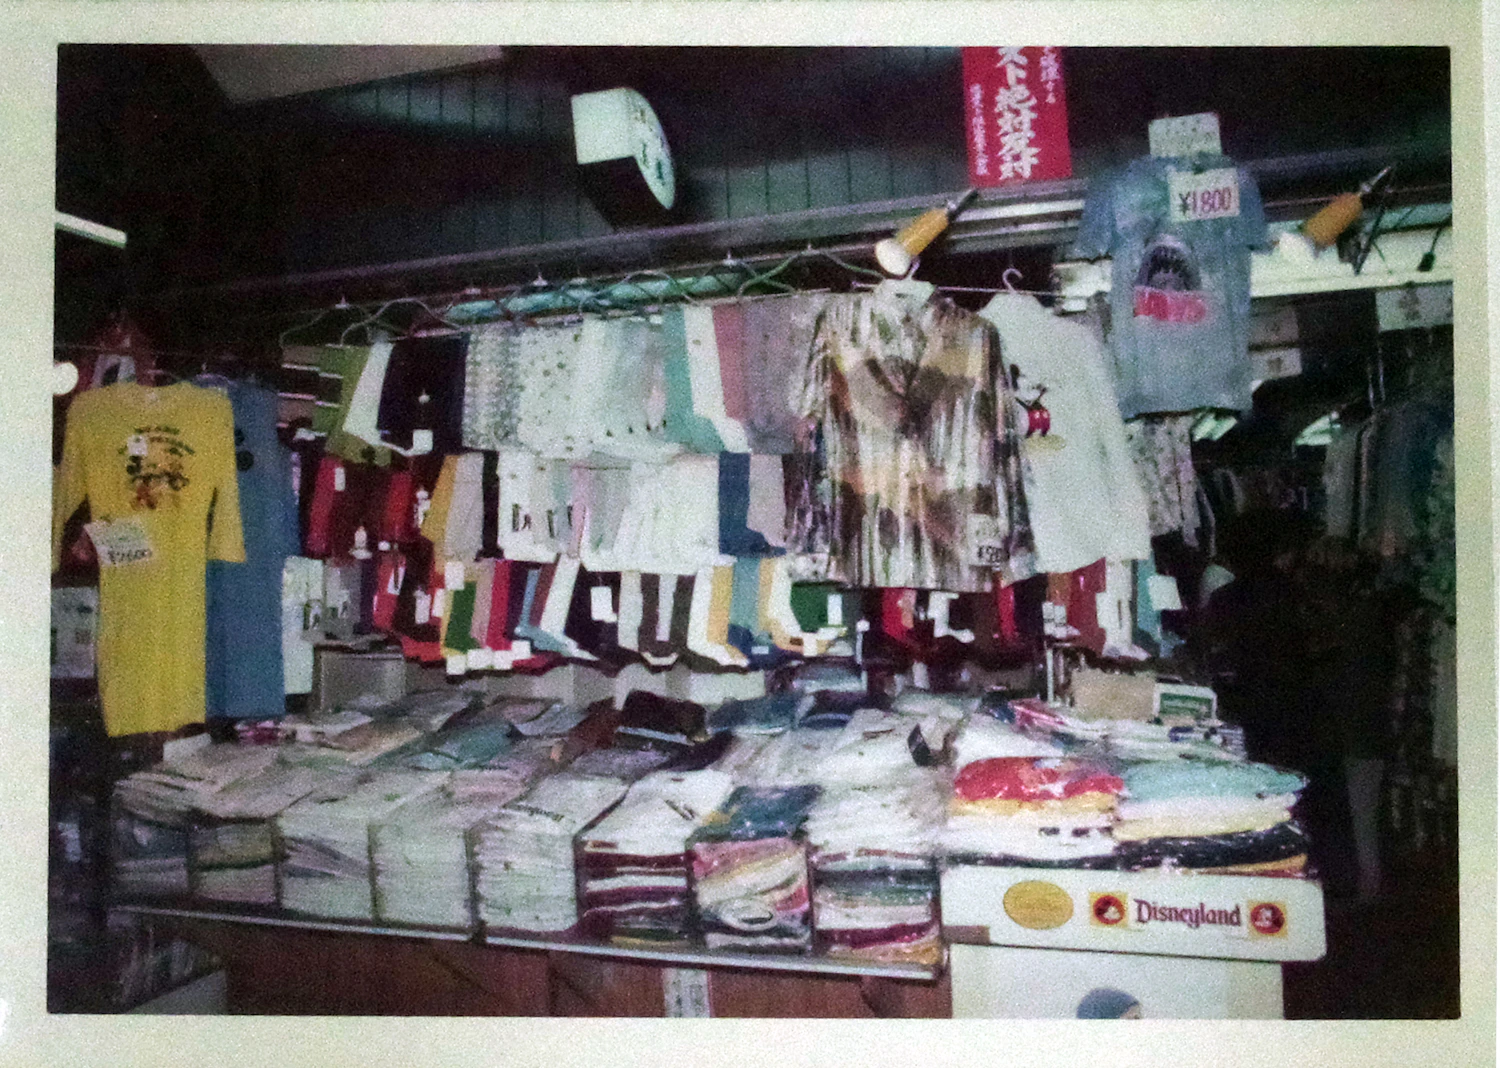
[281, 963]
[1039, 943]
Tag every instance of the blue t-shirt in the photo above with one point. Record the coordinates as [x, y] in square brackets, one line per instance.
[1180, 291]
[243, 641]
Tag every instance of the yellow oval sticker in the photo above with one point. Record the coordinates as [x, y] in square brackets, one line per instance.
[1038, 906]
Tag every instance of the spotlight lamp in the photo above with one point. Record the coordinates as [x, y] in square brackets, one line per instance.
[895, 254]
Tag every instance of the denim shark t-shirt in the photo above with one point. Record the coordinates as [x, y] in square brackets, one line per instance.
[1180, 291]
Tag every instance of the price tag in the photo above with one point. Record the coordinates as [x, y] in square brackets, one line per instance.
[421, 442]
[438, 601]
[453, 574]
[1212, 194]
[986, 542]
[338, 478]
[835, 610]
[685, 992]
[423, 608]
[120, 543]
[136, 445]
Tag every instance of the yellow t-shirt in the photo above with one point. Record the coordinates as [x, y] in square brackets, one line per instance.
[159, 464]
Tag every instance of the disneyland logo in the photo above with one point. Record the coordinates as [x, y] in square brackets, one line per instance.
[1194, 916]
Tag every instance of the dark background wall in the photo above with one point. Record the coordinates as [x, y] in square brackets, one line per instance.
[482, 157]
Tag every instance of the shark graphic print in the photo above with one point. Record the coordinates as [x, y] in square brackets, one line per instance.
[1169, 287]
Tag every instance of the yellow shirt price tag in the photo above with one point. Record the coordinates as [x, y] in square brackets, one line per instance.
[120, 543]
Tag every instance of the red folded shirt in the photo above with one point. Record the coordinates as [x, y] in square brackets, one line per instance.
[1033, 779]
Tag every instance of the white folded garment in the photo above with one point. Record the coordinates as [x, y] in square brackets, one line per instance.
[660, 812]
[523, 856]
[327, 839]
[984, 738]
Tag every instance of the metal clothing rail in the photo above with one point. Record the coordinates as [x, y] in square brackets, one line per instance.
[1033, 214]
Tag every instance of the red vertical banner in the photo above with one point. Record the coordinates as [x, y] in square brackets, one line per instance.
[1016, 113]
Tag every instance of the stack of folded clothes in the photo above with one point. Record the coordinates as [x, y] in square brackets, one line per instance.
[325, 842]
[648, 720]
[789, 759]
[633, 864]
[1132, 740]
[388, 729]
[1211, 817]
[1033, 811]
[770, 714]
[539, 717]
[749, 864]
[874, 869]
[470, 739]
[152, 813]
[421, 854]
[523, 857]
[149, 840]
[876, 746]
[232, 850]
[982, 737]
[627, 765]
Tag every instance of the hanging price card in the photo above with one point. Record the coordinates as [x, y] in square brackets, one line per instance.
[120, 543]
[1212, 194]
[986, 541]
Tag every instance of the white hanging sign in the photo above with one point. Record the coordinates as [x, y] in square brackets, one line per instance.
[1185, 135]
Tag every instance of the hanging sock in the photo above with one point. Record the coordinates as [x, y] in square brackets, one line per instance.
[685, 423]
[484, 599]
[551, 632]
[631, 611]
[708, 621]
[735, 536]
[1084, 587]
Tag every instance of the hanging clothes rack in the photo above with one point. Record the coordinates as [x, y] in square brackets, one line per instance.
[637, 292]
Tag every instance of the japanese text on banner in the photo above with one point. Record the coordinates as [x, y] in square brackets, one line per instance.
[1016, 115]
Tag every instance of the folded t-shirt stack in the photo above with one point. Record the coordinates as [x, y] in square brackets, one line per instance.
[628, 765]
[326, 842]
[152, 812]
[1211, 816]
[633, 864]
[470, 739]
[874, 871]
[523, 856]
[421, 854]
[539, 717]
[1206, 741]
[789, 759]
[770, 714]
[649, 720]
[750, 878]
[149, 840]
[232, 852]
[1034, 811]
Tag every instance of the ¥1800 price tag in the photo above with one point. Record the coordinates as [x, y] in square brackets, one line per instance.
[1212, 194]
